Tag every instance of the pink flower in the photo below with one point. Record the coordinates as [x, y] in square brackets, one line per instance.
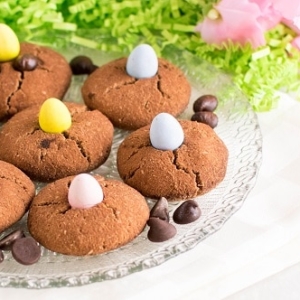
[245, 21]
[234, 20]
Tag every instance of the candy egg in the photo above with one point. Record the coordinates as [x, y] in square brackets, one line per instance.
[166, 132]
[142, 62]
[84, 191]
[54, 116]
[9, 43]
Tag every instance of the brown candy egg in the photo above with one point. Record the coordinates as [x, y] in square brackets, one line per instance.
[205, 103]
[81, 65]
[25, 62]
[206, 117]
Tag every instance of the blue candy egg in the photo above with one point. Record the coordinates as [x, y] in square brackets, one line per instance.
[166, 132]
[142, 62]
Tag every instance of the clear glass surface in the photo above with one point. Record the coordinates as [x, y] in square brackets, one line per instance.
[238, 128]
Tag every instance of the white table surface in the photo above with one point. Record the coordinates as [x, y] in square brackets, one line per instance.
[255, 255]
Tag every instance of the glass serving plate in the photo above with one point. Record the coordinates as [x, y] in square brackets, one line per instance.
[238, 128]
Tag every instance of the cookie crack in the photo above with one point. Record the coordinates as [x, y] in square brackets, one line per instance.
[79, 145]
[64, 211]
[196, 174]
[198, 180]
[113, 210]
[44, 68]
[159, 88]
[61, 211]
[117, 86]
[176, 163]
[132, 173]
[137, 150]
[17, 182]
[47, 204]
[19, 87]
[131, 82]
[43, 153]
[82, 150]
[33, 130]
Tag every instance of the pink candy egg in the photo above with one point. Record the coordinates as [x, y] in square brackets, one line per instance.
[84, 191]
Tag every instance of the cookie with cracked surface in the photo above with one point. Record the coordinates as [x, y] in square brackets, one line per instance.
[17, 191]
[21, 89]
[131, 103]
[114, 222]
[49, 156]
[193, 169]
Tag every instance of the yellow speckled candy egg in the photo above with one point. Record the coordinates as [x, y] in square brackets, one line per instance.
[9, 43]
[54, 116]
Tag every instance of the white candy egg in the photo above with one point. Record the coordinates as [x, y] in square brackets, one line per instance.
[84, 191]
[142, 62]
[166, 132]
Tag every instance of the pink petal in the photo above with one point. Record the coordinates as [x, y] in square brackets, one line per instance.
[238, 23]
[296, 42]
[289, 9]
[291, 24]
[270, 17]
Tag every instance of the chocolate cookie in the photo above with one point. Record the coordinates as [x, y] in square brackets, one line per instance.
[131, 103]
[20, 89]
[17, 190]
[117, 220]
[193, 169]
[48, 156]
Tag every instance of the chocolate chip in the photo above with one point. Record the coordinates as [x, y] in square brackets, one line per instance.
[205, 103]
[45, 143]
[26, 251]
[206, 117]
[160, 210]
[81, 65]
[25, 62]
[7, 241]
[187, 212]
[1, 257]
[160, 230]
